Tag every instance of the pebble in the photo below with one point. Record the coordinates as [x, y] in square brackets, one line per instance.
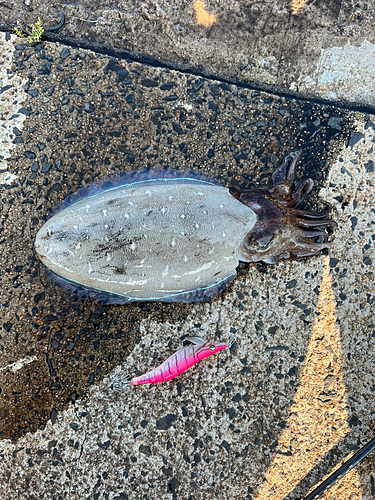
[64, 53]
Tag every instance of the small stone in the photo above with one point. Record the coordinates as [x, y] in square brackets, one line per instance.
[335, 122]
[177, 128]
[46, 167]
[369, 166]
[291, 284]
[88, 107]
[166, 422]
[167, 86]
[53, 416]
[70, 345]
[354, 138]
[146, 450]
[333, 262]
[231, 413]
[146, 82]
[54, 344]
[172, 97]
[226, 445]
[197, 85]
[65, 53]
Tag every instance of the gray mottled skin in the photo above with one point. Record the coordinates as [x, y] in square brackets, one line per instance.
[148, 240]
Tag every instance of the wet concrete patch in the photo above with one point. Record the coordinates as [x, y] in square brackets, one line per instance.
[91, 116]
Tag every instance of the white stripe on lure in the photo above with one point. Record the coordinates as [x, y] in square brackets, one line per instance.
[179, 362]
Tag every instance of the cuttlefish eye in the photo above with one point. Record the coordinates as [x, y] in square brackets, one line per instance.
[212, 347]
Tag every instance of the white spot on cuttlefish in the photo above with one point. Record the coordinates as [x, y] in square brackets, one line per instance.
[202, 268]
[131, 282]
[89, 267]
[78, 246]
[133, 246]
[165, 272]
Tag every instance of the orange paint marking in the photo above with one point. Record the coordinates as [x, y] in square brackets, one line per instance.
[318, 418]
[202, 16]
[297, 5]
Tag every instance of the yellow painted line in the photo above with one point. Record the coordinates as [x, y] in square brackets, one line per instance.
[202, 16]
[297, 5]
[318, 417]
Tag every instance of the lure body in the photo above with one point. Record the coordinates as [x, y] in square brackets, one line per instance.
[179, 362]
[178, 239]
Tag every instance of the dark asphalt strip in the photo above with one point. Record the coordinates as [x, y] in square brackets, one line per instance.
[51, 36]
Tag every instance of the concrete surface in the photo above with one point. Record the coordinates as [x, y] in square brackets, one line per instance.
[320, 49]
[294, 395]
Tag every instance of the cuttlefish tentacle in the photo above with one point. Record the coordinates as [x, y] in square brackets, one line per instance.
[283, 231]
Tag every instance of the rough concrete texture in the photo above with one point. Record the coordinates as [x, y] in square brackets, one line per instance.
[321, 49]
[240, 423]
[12, 96]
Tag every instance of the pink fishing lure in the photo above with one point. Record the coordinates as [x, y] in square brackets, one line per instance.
[179, 362]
